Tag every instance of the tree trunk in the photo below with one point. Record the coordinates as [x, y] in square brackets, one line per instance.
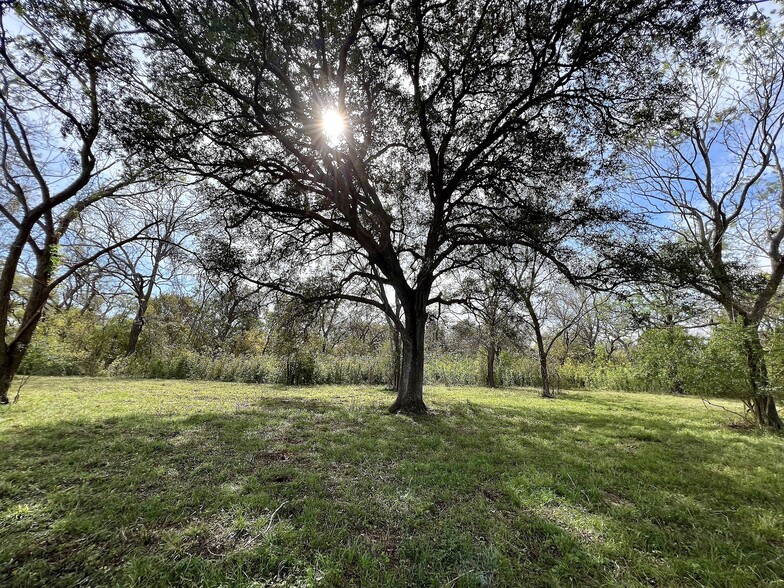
[761, 403]
[546, 391]
[412, 370]
[136, 330]
[6, 376]
[11, 355]
[9, 365]
[491, 352]
[544, 372]
[144, 290]
[394, 372]
[5, 384]
[541, 348]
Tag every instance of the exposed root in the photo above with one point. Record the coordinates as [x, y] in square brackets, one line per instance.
[416, 407]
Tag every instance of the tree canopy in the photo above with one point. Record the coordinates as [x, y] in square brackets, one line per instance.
[390, 142]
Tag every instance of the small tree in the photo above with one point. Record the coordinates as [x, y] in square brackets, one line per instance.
[533, 283]
[486, 295]
[668, 358]
[154, 228]
[714, 185]
[56, 73]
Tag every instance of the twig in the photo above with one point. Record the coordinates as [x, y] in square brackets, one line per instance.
[272, 516]
[707, 403]
[452, 582]
[19, 390]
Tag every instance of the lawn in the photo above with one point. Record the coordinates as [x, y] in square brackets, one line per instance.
[163, 483]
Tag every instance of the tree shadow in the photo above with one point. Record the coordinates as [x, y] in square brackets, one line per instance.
[337, 493]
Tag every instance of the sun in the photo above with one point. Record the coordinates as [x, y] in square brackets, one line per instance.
[332, 124]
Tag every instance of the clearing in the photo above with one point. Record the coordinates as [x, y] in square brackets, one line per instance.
[183, 483]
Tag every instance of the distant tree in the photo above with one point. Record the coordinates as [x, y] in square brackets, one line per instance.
[537, 285]
[576, 311]
[378, 142]
[358, 329]
[394, 316]
[170, 326]
[233, 309]
[162, 219]
[59, 62]
[293, 337]
[715, 186]
[487, 297]
[85, 289]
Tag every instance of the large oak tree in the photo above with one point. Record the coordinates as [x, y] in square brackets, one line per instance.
[384, 142]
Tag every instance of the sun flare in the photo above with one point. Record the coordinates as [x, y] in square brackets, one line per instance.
[333, 124]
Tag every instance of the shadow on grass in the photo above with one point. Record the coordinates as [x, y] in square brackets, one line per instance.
[336, 493]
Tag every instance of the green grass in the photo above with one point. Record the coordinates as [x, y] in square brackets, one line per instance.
[161, 483]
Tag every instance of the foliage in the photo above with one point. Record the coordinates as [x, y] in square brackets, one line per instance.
[724, 369]
[73, 342]
[775, 359]
[668, 359]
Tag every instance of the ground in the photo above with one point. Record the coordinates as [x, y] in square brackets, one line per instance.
[163, 483]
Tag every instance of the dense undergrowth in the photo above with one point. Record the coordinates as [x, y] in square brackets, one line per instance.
[722, 378]
[445, 369]
[661, 360]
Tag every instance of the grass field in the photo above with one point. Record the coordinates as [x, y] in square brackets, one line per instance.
[163, 483]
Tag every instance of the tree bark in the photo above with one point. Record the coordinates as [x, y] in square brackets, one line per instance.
[394, 375]
[491, 354]
[761, 403]
[545, 374]
[540, 347]
[136, 329]
[10, 361]
[412, 369]
[9, 365]
[5, 383]
[11, 355]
